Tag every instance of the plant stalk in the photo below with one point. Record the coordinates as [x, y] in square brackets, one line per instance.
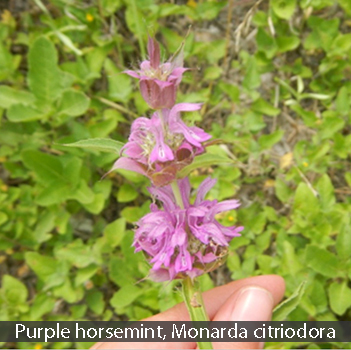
[195, 305]
[177, 194]
[191, 288]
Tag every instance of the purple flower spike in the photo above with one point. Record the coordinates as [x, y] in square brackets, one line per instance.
[159, 81]
[184, 242]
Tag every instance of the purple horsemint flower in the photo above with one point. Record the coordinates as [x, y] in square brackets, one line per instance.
[184, 242]
[159, 81]
[161, 146]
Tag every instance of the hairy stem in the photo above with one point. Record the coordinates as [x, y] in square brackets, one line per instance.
[177, 194]
[191, 287]
[195, 305]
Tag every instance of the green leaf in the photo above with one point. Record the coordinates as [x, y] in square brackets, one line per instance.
[10, 96]
[343, 240]
[132, 214]
[305, 201]
[287, 43]
[126, 193]
[212, 73]
[231, 90]
[325, 190]
[265, 43]
[15, 292]
[346, 5]
[283, 8]
[48, 168]
[78, 312]
[262, 106]
[83, 193]
[72, 170]
[324, 33]
[281, 311]
[109, 7]
[119, 84]
[42, 305]
[119, 272]
[95, 301]
[114, 232]
[85, 274]
[98, 144]
[6, 62]
[76, 253]
[53, 193]
[318, 296]
[252, 77]
[51, 271]
[339, 297]
[342, 102]
[323, 261]
[210, 10]
[330, 126]
[308, 117]
[68, 42]
[341, 45]
[68, 293]
[103, 128]
[73, 103]
[18, 113]
[44, 78]
[204, 160]
[290, 261]
[3, 217]
[267, 141]
[96, 205]
[282, 190]
[46, 222]
[124, 297]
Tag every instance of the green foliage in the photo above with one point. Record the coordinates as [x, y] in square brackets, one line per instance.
[277, 97]
[287, 306]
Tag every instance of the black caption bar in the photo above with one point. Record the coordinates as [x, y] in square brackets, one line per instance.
[150, 331]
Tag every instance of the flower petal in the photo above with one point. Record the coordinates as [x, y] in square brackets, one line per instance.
[128, 164]
[132, 74]
[183, 107]
[165, 196]
[225, 206]
[153, 49]
[203, 189]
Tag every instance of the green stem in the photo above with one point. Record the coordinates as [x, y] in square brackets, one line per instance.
[191, 288]
[177, 194]
[195, 305]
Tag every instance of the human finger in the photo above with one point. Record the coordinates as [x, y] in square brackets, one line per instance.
[250, 303]
[214, 299]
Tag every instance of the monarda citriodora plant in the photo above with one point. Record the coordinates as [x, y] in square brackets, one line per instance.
[180, 239]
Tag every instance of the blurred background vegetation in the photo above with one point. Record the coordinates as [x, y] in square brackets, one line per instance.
[275, 80]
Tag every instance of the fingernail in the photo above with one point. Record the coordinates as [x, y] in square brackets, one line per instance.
[253, 304]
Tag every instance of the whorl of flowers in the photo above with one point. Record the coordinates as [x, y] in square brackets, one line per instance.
[180, 239]
[184, 241]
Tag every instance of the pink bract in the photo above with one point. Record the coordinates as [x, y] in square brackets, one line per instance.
[159, 81]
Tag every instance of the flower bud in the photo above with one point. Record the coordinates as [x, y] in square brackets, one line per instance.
[159, 81]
